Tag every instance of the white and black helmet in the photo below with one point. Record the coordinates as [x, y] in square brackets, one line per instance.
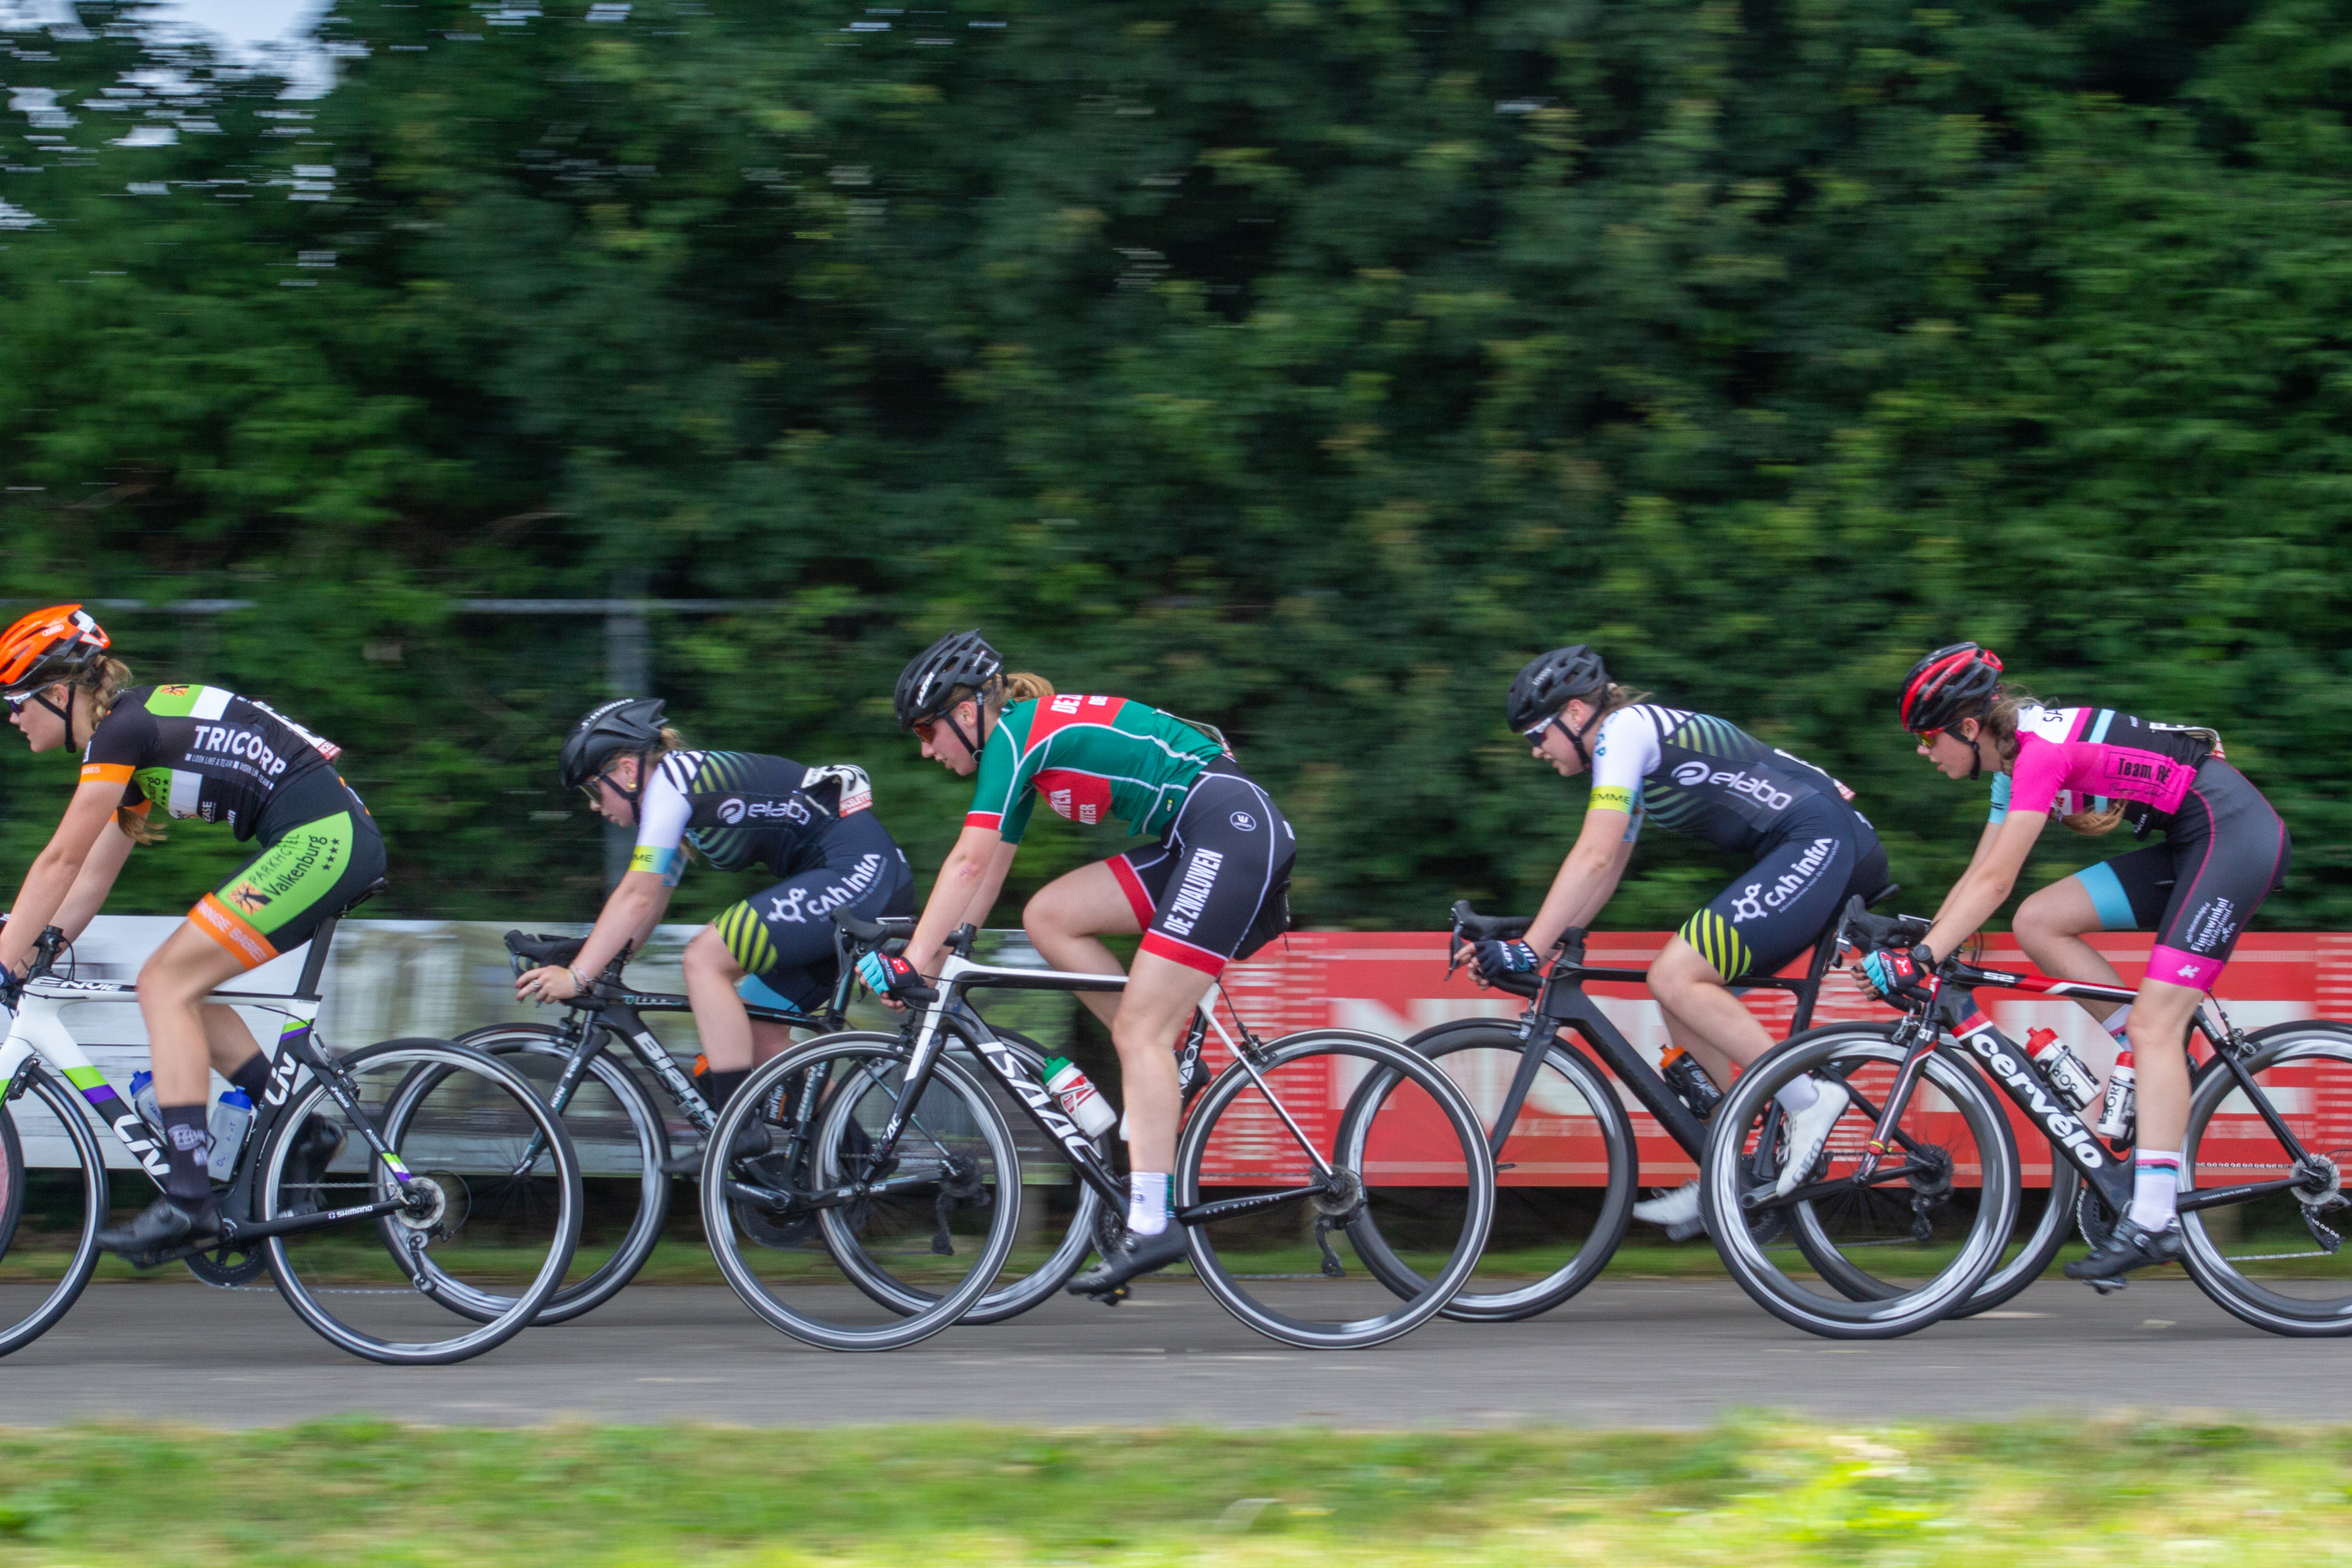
[927, 686]
[628, 727]
[1549, 681]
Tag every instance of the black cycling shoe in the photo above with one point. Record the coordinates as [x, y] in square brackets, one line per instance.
[168, 1222]
[2128, 1247]
[750, 1144]
[1133, 1255]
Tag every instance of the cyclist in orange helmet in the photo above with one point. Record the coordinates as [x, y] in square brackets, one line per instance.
[197, 751]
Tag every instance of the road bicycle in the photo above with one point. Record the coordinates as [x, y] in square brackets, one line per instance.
[2270, 1114]
[1555, 1123]
[600, 1070]
[383, 1189]
[899, 1119]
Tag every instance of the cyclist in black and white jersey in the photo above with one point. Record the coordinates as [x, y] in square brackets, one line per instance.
[811, 828]
[1807, 846]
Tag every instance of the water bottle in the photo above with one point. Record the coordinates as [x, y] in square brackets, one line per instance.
[1081, 1101]
[142, 1096]
[2117, 1112]
[231, 1114]
[2061, 1067]
[1687, 1079]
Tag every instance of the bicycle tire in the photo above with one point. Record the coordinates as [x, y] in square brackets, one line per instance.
[424, 1065]
[1621, 1155]
[1003, 1302]
[1237, 1084]
[2282, 1046]
[613, 1072]
[65, 1106]
[852, 1053]
[1729, 1168]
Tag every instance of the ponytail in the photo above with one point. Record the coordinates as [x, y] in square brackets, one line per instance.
[1999, 717]
[1018, 687]
[105, 680]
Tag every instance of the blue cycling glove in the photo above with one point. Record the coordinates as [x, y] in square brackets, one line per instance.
[1893, 974]
[885, 973]
[1493, 957]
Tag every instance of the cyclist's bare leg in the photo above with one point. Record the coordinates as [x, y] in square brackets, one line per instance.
[2049, 927]
[2159, 1029]
[1065, 921]
[173, 985]
[769, 1041]
[226, 1040]
[1702, 1015]
[1160, 998]
[711, 973]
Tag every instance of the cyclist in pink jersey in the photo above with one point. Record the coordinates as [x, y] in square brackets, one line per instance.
[1215, 889]
[2224, 851]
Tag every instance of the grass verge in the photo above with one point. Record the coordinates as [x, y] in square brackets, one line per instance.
[1756, 1491]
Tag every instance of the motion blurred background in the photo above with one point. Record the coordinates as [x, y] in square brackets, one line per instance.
[1299, 365]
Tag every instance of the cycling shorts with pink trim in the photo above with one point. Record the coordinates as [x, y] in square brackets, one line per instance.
[1217, 887]
[2224, 851]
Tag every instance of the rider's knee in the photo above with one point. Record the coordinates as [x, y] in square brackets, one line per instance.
[707, 954]
[1679, 968]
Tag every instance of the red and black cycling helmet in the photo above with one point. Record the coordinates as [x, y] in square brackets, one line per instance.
[1950, 684]
[46, 647]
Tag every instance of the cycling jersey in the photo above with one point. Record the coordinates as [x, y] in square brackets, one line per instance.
[741, 809]
[1696, 773]
[205, 752]
[2070, 754]
[1092, 759]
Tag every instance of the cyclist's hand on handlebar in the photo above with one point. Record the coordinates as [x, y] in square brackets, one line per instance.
[550, 983]
[1494, 956]
[1887, 974]
[886, 973]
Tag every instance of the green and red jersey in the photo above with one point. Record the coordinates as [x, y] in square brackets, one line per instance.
[1091, 759]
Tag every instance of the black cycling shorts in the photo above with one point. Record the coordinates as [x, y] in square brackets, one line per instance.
[784, 935]
[308, 871]
[2225, 851]
[1782, 905]
[1217, 887]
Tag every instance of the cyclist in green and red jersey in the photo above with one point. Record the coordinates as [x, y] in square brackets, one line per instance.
[1215, 886]
[201, 752]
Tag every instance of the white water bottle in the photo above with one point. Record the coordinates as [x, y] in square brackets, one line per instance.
[231, 1114]
[143, 1097]
[2115, 1113]
[1081, 1101]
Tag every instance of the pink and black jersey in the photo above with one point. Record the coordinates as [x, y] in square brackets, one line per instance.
[2081, 759]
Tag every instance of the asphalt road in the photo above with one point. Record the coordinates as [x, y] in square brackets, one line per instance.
[1623, 1355]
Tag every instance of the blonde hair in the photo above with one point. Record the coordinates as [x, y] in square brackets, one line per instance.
[2000, 718]
[105, 680]
[1016, 686]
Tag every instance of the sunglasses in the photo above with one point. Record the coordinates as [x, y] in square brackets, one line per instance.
[925, 729]
[594, 788]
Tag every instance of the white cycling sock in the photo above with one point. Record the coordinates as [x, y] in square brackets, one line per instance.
[2115, 1025]
[1798, 1095]
[2156, 1179]
[1148, 1195]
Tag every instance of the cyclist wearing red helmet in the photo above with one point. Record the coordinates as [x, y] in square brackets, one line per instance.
[2224, 851]
[197, 751]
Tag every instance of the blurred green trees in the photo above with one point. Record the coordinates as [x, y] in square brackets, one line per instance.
[1301, 366]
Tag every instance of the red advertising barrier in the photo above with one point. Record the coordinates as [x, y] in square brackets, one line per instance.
[1394, 983]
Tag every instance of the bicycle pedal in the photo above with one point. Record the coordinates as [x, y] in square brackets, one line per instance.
[2108, 1287]
[1113, 1296]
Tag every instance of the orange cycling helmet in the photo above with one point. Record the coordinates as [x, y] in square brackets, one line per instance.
[49, 646]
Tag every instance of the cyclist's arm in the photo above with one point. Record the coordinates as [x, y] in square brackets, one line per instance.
[1985, 841]
[984, 897]
[630, 915]
[96, 881]
[1586, 878]
[1978, 896]
[54, 871]
[974, 868]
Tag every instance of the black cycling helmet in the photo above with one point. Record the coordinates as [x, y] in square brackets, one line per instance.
[932, 677]
[1551, 681]
[631, 725]
[1949, 685]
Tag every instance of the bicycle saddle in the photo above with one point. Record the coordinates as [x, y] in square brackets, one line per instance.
[883, 930]
[545, 948]
[1475, 927]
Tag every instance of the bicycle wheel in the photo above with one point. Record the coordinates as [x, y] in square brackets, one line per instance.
[1040, 1264]
[622, 1140]
[501, 1182]
[1565, 1174]
[935, 1214]
[50, 1214]
[1265, 1137]
[1913, 1232]
[2277, 1261]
